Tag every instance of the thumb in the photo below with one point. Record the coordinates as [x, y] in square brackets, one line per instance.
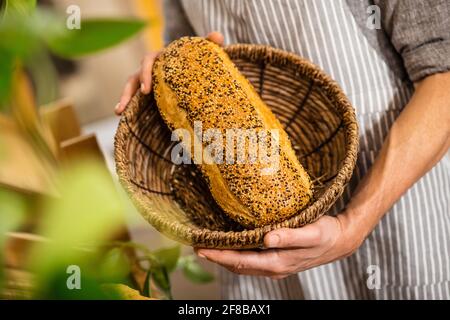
[305, 237]
[215, 37]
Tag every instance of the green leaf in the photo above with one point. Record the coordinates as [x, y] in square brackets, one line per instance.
[6, 72]
[147, 291]
[24, 7]
[12, 211]
[194, 272]
[161, 278]
[87, 213]
[22, 41]
[121, 291]
[94, 35]
[115, 266]
[23, 36]
[3, 4]
[42, 71]
[56, 286]
[12, 214]
[168, 257]
[89, 207]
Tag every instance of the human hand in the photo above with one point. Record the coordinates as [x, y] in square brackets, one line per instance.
[142, 79]
[292, 250]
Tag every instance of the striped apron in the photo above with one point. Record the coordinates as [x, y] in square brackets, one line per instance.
[410, 248]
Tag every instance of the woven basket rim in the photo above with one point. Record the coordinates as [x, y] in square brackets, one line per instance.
[241, 239]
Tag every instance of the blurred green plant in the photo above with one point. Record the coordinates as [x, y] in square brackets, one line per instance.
[193, 270]
[79, 223]
[12, 214]
[161, 263]
[29, 33]
[85, 214]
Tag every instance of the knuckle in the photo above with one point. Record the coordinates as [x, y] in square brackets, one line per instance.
[235, 270]
[288, 241]
[316, 234]
[291, 237]
[285, 237]
[239, 266]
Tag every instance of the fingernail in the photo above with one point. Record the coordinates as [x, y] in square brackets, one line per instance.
[142, 87]
[201, 255]
[117, 106]
[274, 240]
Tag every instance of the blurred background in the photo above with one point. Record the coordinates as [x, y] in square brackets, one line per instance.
[96, 83]
[79, 118]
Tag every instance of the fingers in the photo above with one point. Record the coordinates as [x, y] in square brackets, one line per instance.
[265, 263]
[146, 72]
[215, 37]
[142, 80]
[305, 237]
[130, 89]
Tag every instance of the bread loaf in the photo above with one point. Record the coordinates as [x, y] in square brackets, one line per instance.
[196, 82]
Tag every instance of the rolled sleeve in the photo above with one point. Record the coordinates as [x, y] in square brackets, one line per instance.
[428, 59]
[420, 32]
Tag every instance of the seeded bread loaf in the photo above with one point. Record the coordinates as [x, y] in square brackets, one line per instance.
[195, 80]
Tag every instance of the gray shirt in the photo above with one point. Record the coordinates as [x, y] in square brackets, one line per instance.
[375, 68]
[414, 38]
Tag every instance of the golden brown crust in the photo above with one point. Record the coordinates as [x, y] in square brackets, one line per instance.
[194, 80]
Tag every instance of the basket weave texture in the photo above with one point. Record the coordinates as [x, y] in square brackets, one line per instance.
[315, 113]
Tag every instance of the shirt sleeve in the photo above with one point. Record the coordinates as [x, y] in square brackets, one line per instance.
[176, 23]
[420, 32]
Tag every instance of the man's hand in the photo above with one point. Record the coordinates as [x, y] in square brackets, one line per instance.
[142, 79]
[292, 250]
[419, 138]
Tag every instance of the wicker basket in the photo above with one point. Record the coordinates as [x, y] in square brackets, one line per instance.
[175, 200]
